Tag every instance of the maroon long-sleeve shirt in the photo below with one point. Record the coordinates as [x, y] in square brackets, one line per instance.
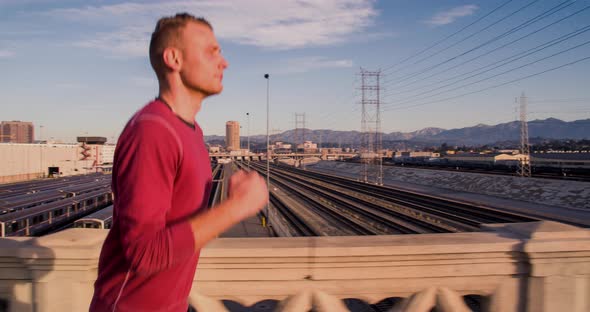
[161, 176]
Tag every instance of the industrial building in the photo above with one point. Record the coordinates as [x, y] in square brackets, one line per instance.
[21, 162]
[17, 132]
[308, 147]
[232, 135]
[280, 145]
[489, 158]
[281, 148]
[214, 149]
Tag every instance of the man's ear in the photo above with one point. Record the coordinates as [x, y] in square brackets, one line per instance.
[172, 58]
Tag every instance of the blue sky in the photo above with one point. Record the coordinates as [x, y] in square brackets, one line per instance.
[81, 67]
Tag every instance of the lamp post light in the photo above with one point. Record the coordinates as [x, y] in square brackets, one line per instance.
[267, 77]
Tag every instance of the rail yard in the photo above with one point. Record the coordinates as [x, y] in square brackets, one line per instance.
[40, 207]
[310, 203]
[302, 203]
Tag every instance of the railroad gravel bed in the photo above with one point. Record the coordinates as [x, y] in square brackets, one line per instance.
[570, 194]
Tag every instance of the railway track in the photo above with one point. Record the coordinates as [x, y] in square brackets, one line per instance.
[217, 185]
[466, 213]
[376, 219]
[345, 213]
[295, 221]
[334, 221]
[385, 210]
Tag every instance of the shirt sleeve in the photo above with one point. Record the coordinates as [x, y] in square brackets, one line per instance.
[144, 180]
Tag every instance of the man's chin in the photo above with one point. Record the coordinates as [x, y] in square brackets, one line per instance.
[210, 91]
[216, 90]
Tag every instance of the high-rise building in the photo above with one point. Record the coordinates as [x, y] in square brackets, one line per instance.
[17, 132]
[232, 135]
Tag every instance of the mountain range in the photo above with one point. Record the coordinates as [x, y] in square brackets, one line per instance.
[481, 134]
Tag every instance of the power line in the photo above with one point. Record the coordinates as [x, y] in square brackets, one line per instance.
[502, 73]
[447, 37]
[481, 55]
[561, 100]
[529, 22]
[353, 109]
[491, 87]
[583, 30]
[470, 36]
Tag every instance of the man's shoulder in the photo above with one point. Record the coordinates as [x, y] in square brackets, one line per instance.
[151, 118]
[152, 111]
[154, 107]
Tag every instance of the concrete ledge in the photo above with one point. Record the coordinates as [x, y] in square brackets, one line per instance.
[541, 266]
[539, 230]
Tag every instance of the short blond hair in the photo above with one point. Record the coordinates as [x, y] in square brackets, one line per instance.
[168, 33]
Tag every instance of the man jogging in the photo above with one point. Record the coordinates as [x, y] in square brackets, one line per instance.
[162, 178]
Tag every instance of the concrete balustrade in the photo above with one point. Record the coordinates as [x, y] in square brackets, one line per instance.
[540, 266]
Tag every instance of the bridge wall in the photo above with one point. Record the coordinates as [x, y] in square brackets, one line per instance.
[540, 266]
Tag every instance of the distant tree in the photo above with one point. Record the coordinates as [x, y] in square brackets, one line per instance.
[561, 145]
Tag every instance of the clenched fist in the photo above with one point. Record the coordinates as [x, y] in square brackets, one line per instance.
[250, 191]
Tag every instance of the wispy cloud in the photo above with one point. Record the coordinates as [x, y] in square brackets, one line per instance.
[306, 64]
[6, 54]
[447, 17]
[280, 25]
[127, 41]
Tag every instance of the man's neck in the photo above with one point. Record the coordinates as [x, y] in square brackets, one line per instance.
[182, 102]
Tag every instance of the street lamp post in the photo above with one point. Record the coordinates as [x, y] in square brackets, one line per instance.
[87, 160]
[41, 151]
[248, 139]
[267, 77]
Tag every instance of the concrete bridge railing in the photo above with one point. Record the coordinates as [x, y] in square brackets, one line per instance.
[540, 266]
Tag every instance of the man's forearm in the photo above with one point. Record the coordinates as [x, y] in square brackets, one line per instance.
[207, 226]
[247, 195]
